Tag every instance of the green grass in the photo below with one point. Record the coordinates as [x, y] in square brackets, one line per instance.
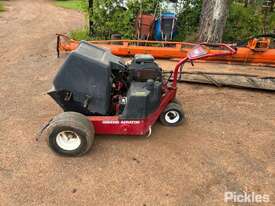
[80, 34]
[2, 8]
[79, 5]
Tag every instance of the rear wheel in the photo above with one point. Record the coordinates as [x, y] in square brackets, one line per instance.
[70, 134]
[173, 115]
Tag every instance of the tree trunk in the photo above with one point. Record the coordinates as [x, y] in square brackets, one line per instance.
[90, 7]
[272, 5]
[248, 2]
[213, 19]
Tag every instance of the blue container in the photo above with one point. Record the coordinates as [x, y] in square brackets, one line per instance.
[157, 31]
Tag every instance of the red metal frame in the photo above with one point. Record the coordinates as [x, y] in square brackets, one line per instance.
[118, 126]
[115, 125]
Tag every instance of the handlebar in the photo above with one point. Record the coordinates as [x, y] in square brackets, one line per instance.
[231, 50]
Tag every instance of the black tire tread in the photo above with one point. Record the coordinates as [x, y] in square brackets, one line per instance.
[74, 120]
[172, 106]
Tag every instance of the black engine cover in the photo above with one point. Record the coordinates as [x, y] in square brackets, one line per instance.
[84, 82]
[143, 98]
[143, 67]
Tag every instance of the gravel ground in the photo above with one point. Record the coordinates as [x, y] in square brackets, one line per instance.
[226, 144]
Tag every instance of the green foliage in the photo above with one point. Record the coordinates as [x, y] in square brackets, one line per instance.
[80, 34]
[188, 20]
[147, 7]
[243, 22]
[79, 5]
[2, 8]
[110, 18]
[272, 22]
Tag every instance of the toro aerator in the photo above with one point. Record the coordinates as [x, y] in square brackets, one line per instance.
[100, 94]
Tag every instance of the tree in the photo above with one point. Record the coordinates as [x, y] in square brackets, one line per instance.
[272, 2]
[248, 2]
[213, 19]
[188, 19]
[90, 11]
[111, 17]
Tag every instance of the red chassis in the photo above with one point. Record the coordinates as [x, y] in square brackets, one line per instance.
[116, 125]
[72, 133]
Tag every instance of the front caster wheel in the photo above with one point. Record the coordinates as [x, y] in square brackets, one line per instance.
[70, 134]
[173, 115]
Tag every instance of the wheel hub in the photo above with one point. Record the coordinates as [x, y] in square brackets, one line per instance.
[68, 140]
[172, 117]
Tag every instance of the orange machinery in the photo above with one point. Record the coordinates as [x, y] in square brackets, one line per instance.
[256, 50]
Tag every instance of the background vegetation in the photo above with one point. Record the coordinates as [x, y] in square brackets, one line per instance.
[110, 17]
[2, 8]
[79, 5]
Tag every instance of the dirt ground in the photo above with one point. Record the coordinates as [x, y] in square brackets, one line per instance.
[226, 144]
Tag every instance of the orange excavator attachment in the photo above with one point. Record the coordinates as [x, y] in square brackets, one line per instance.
[257, 51]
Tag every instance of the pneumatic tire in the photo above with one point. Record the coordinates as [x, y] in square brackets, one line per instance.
[70, 134]
[173, 115]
